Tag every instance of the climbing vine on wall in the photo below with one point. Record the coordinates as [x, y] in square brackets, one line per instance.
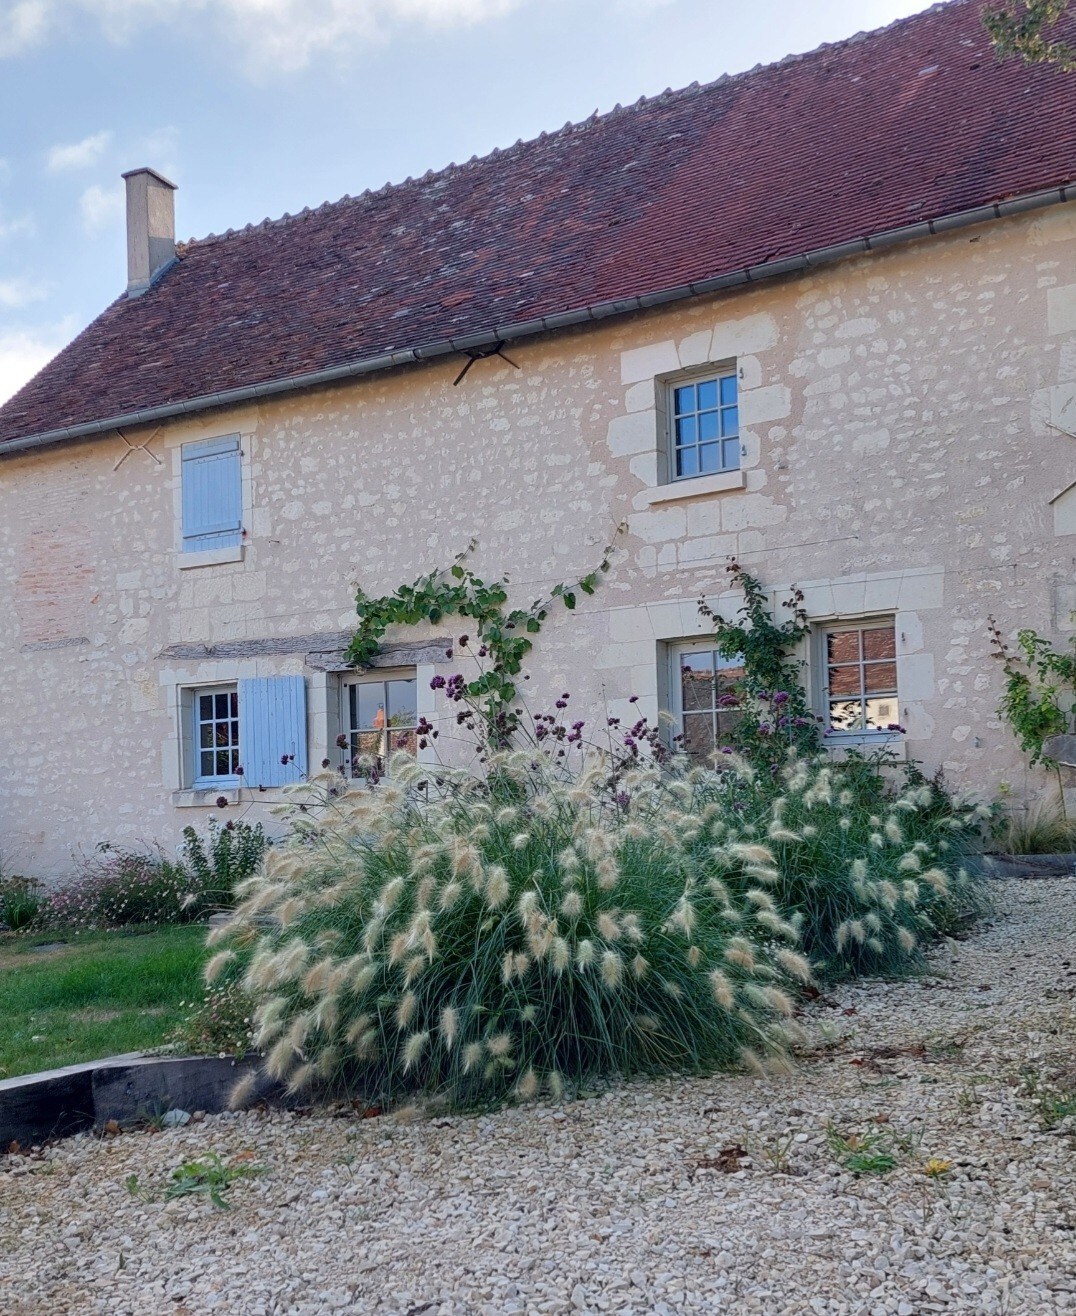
[771, 692]
[1040, 688]
[501, 641]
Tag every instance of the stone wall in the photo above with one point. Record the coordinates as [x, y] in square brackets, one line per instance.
[907, 422]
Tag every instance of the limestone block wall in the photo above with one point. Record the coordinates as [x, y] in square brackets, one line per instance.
[908, 423]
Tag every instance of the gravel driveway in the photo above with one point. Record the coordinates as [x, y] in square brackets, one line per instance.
[716, 1195]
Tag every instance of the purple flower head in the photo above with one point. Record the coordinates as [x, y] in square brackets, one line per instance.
[438, 683]
[634, 699]
[780, 697]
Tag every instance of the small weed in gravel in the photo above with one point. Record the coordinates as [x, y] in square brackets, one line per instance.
[207, 1175]
[863, 1153]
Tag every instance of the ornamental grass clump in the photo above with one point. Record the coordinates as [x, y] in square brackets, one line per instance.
[864, 859]
[528, 932]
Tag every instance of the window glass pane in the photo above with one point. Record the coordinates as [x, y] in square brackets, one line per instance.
[844, 680]
[697, 680]
[205, 735]
[234, 700]
[684, 398]
[730, 421]
[880, 678]
[708, 427]
[369, 743]
[842, 647]
[731, 453]
[846, 714]
[405, 741]
[402, 703]
[699, 736]
[707, 393]
[687, 461]
[881, 713]
[880, 643]
[205, 764]
[732, 669]
[224, 763]
[727, 721]
[221, 705]
[710, 458]
[686, 431]
[205, 707]
[728, 390]
[370, 705]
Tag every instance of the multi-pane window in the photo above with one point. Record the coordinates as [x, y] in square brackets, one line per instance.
[216, 733]
[708, 700]
[861, 677]
[382, 717]
[705, 427]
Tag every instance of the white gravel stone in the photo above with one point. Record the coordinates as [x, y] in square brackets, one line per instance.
[618, 1204]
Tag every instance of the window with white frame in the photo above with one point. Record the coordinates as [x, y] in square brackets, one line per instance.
[704, 425]
[380, 715]
[705, 697]
[860, 675]
[215, 711]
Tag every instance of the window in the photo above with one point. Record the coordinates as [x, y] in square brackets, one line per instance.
[216, 736]
[706, 702]
[212, 495]
[381, 717]
[705, 427]
[861, 677]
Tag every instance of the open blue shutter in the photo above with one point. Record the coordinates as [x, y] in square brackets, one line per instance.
[212, 495]
[272, 724]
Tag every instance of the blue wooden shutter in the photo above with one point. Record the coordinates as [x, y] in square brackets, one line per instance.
[272, 724]
[212, 495]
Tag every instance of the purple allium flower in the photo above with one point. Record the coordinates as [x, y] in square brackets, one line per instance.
[781, 697]
[438, 683]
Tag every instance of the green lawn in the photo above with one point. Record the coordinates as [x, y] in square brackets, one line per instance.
[102, 994]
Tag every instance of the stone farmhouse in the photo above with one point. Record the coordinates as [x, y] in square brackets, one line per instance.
[820, 316]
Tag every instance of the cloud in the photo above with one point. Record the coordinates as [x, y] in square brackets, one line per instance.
[24, 351]
[277, 34]
[20, 292]
[24, 25]
[80, 155]
[13, 228]
[101, 207]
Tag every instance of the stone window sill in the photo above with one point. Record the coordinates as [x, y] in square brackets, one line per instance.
[204, 797]
[895, 743]
[211, 557]
[702, 486]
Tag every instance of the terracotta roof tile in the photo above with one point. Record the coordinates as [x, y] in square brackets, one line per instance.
[883, 130]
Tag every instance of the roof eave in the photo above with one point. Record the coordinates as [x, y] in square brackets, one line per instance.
[551, 323]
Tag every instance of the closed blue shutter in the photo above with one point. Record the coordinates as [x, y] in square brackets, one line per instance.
[272, 724]
[212, 495]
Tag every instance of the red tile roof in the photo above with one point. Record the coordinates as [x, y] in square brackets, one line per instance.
[911, 123]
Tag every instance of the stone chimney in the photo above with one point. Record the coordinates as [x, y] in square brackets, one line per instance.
[151, 228]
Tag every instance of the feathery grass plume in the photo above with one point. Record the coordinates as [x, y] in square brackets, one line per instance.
[527, 1087]
[612, 969]
[907, 940]
[218, 964]
[560, 955]
[608, 927]
[585, 953]
[413, 1049]
[499, 1045]
[497, 888]
[795, 965]
[405, 1009]
[572, 905]
[752, 854]
[723, 991]
[243, 1090]
[909, 863]
[450, 1025]
[472, 1056]
[783, 834]
[893, 832]
[741, 953]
